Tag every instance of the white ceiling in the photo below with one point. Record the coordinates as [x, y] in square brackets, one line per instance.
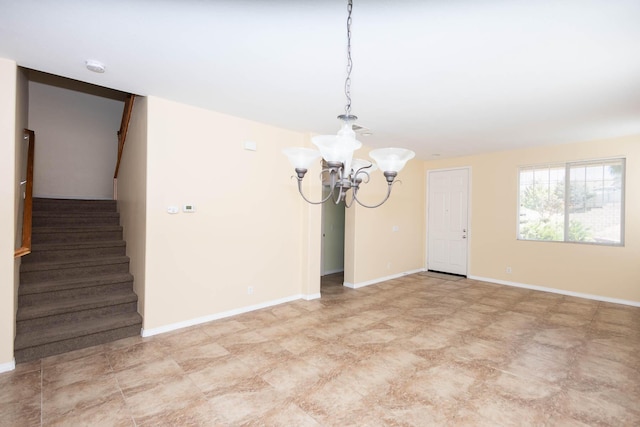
[447, 77]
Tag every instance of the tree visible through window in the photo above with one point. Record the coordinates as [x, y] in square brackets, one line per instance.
[572, 202]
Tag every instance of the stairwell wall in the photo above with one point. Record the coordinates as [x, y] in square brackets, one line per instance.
[77, 126]
[132, 197]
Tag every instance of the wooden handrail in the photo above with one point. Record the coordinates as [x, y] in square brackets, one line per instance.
[124, 127]
[27, 213]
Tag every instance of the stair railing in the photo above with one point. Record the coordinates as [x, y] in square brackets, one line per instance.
[27, 212]
[122, 136]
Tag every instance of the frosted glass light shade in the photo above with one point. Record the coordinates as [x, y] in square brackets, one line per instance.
[340, 147]
[301, 158]
[334, 148]
[391, 159]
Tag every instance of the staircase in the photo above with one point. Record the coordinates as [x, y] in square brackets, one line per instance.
[75, 287]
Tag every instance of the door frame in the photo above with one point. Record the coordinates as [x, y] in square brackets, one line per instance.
[469, 211]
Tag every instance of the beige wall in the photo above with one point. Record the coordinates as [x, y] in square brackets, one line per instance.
[132, 196]
[373, 250]
[77, 140]
[605, 271]
[250, 227]
[8, 80]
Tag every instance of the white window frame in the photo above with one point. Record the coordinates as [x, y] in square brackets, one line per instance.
[567, 195]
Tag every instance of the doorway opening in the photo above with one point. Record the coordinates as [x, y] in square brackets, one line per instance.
[333, 235]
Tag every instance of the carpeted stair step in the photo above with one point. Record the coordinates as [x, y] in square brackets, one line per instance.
[42, 292]
[71, 205]
[68, 310]
[70, 219]
[75, 234]
[58, 339]
[45, 252]
[55, 270]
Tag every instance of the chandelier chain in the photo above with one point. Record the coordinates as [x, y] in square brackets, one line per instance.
[347, 82]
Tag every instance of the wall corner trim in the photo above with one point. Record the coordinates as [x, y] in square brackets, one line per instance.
[557, 291]
[9, 366]
[311, 296]
[382, 279]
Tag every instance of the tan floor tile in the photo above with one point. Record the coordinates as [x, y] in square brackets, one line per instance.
[112, 412]
[288, 414]
[294, 376]
[181, 339]
[620, 315]
[168, 396]
[76, 370]
[600, 407]
[78, 397]
[146, 376]
[239, 407]
[136, 354]
[72, 355]
[19, 386]
[225, 373]
[20, 413]
[500, 411]
[444, 385]
[536, 361]
[198, 357]
[562, 337]
[608, 372]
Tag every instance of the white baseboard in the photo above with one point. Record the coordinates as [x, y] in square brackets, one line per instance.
[381, 279]
[222, 315]
[9, 366]
[557, 291]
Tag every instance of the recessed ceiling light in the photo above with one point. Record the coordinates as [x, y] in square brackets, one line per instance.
[95, 66]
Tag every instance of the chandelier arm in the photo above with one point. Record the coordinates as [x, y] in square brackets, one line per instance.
[363, 172]
[348, 204]
[335, 199]
[305, 197]
[389, 185]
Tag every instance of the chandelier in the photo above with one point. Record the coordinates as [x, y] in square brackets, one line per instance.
[341, 171]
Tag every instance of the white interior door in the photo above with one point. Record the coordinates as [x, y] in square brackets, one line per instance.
[447, 225]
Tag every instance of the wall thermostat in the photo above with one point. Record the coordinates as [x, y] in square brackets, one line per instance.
[189, 208]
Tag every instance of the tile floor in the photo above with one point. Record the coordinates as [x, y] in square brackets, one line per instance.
[421, 350]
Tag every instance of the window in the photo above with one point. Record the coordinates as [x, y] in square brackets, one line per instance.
[580, 202]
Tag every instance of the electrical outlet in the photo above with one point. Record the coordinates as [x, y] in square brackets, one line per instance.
[508, 270]
[250, 290]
